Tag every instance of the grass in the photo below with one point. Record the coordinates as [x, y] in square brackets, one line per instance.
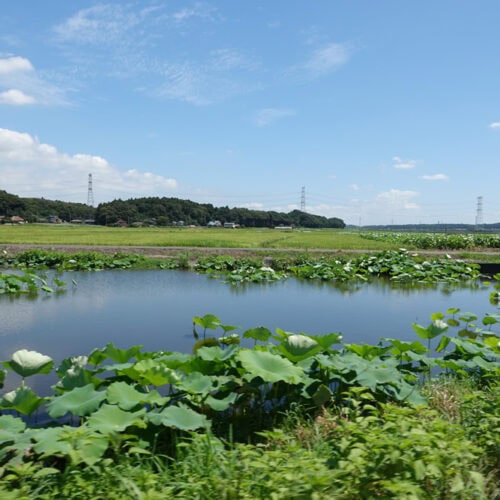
[194, 237]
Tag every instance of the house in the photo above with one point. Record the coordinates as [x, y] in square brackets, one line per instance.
[214, 223]
[230, 225]
[15, 219]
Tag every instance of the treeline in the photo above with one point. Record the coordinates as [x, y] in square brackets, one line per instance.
[169, 211]
[37, 209]
[157, 211]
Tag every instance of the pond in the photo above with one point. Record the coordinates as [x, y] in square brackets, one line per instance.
[155, 309]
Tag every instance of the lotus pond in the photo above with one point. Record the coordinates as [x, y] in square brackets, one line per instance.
[155, 309]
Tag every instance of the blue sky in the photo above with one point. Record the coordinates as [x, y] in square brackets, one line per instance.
[384, 111]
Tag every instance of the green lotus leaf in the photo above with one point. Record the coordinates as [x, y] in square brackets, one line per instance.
[27, 363]
[260, 333]
[97, 356]
[150, 371]
[196, 383]
[127, 397]
[10, 428]
[298, 347]
[209, 321]
[326, 341]
[109, 418]
[79, 401]
[179, 417]
[221, 404]
[269, 367]
[49, 441]
[23, 400]
[216, 353]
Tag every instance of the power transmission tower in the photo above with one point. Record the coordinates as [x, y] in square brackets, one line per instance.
[479, 211]
[303, 199]
[90, 193]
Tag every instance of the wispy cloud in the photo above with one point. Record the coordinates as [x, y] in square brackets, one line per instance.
[401, 164]
[328, 58]
[434, 177]
[321, 62]
[398, 199]
[21, 84]
[101, 24]
[495, 125]
[198, 10]
[266, 116]
[31, 168]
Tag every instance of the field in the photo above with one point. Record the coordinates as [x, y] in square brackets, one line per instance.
[160, 241]
[186, 237]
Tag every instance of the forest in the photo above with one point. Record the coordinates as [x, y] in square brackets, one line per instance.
[156, 211]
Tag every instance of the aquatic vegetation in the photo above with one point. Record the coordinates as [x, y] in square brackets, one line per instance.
[28, 282]
[440, 241]
[398, 266]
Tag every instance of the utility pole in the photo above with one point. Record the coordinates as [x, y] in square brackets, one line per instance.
[479, 211]
[90, 193]
[303, 199]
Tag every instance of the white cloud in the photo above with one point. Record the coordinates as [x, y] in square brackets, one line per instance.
[266, 116]
[13, 65]
[434, 177]
[20, 84]
[327, 59]
[16, 97]
[401, 164]
[495, 125]
[31, 168]
[355, 187]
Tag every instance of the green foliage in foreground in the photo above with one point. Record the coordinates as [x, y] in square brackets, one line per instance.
[175, 421]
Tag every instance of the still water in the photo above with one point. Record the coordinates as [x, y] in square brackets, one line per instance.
[155, 309]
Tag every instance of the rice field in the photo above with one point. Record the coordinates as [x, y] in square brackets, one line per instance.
[259, 238]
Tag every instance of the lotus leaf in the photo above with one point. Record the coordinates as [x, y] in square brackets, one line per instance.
[110, 418]
[269, 367]
[298, 347]
[179, 417]
[27, 363]
[80, 401]
[127, 397]
[23, 400]
[97, 356]
[10, 427]
[151, 372]
[260, 333]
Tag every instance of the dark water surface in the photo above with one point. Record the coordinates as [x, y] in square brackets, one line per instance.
[155, 309]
